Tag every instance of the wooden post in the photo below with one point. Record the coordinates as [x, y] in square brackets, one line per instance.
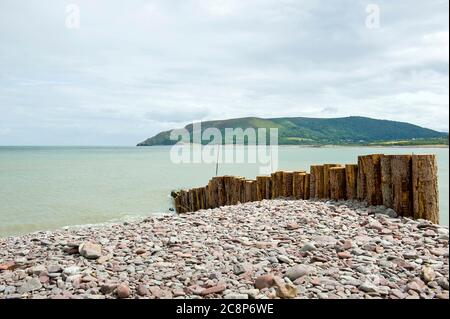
[254, 191]
[369, 179]
[386, 181]
[221, 192]
[250, 191]
[277, 184]
[242, 190]
[263, 184]
[288, 184]
[268, 187]
[425, 188]
[396, 183]
[212, 194]
[206, 197]
[337, 183]
[351, 177]
[191, 200]
[317, 182]
[326, 178]
[198, 199]
[299, 185]
[235, 190]
[307, 193]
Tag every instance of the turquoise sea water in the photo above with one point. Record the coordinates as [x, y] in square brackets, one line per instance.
[43, 188]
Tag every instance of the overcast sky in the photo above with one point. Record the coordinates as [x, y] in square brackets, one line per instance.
[134, 68]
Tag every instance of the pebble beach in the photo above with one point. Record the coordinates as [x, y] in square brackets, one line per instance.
[285, 249]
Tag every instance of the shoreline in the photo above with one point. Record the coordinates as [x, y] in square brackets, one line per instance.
[269, 249]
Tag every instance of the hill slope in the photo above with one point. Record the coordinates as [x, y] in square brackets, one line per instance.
[321, 131]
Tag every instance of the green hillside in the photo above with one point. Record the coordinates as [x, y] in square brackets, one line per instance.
[316, 131]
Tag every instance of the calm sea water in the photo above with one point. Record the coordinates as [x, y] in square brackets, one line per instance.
[43, 188]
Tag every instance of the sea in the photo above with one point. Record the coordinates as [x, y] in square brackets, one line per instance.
[47, 188]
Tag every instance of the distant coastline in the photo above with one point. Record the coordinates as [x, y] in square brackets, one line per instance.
[346, 131]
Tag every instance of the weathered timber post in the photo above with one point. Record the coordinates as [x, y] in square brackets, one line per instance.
[425, 188]
[254, 191]
[176, 200]
[236, 190]
[317, 181]
[298, 184]
[250, 191]
[386, 181]
[198, 198]
[277, 184]
[263, 187]
[396, 183]
[268, 187]
[369, 179]
[191, 200]
[307, 193]
[228, 184]
[242, 190]
[337, 183]
[351, 180]
[203, 197]
[326, 178]
[184, 201]
[221, 191]
[206, 197]
[287, 184]
[212, 194]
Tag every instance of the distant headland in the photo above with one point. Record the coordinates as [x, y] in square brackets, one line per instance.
[352, 131]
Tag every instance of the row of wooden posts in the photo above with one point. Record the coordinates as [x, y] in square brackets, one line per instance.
[406, 183]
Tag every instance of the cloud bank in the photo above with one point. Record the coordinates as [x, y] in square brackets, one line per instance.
[136, 67]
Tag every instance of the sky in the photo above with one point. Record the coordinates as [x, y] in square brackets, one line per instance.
[114, 72]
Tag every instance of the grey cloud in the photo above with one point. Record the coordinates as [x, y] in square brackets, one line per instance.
[138, 67]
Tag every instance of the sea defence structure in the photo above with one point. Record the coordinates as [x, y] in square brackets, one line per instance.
[406, 183]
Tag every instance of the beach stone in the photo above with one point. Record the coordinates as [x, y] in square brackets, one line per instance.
[428, 274]
[443, 283]
[264, 281]
[413, 285]
[9, 290]
[37, 270]
[108, 288]
[348, 244]
[439, 251]
[298, 271]
[284, 259]
[308, 247]
[214, 290]
[368, 287]
[348, 280]
[285, 291]
[292, 226]
[90, 250]
[72, 270]
[344, 255]
[31, 284]
[123, 291]
[443, 295]
[142, 290]
[54, 269]
[239, 269]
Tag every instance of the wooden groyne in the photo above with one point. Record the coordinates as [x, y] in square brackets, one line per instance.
[406, 183]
